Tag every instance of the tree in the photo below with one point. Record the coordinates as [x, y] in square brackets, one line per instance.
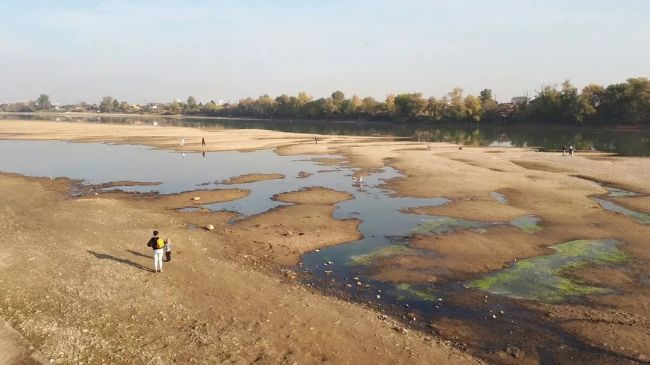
[590, 100]
[488, 104]
[456, 108]
[409, 106]
[191, 106]
[369, 107]
[106, 105]
[43, 102]
[473, 108]
[210, 108]
[571, 109]
[116, 105]
[125, 107]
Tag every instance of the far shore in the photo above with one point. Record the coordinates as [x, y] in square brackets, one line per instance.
[618, 127]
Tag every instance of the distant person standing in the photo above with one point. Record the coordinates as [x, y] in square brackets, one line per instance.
[564, 150]
[182, 141]
[203, 141]
[158, 245]
[571, 149]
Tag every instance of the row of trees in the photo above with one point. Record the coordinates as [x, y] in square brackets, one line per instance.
[623, 103]
[411, 107]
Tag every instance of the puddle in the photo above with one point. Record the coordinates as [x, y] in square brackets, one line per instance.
[639, 217]
[188, 209]
[615, 192]
[527, 223]
[499, 198]
[540, 278]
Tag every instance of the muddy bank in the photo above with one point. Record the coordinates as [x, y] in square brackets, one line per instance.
[89, 296]
[249, 178]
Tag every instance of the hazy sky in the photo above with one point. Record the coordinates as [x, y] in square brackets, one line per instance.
[161, 50]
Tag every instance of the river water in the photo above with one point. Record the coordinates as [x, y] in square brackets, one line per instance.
[622, 141]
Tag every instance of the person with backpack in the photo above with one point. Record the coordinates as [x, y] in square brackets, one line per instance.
[158, 246]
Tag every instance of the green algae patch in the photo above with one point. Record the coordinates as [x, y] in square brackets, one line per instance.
[444, 225]
[527, 223]
[540, 278]
[404, 291]
[640, 217]
[369, 258]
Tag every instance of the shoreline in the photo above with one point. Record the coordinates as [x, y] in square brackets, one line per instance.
[485, 124]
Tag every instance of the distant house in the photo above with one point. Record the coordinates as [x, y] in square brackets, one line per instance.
[151, 106]
[519, 100]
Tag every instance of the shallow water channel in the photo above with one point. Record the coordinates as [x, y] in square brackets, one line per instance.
[342, 270]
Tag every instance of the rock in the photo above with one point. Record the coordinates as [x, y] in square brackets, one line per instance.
[209, 227]
[359, 283]
[400, 329]
[515, 352]
[494, 316]
[196, 198]
[348, 285]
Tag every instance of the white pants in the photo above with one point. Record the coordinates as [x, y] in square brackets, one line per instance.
[157, 259]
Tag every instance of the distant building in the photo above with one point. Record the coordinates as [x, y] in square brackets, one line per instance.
[519, 100]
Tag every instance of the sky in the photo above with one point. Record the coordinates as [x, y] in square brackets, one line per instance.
[146, 51]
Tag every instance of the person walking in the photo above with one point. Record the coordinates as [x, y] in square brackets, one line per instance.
[182, 141]
[158, 246]
[203, 141]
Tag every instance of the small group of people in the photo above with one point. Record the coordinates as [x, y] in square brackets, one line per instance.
[357, 182]
[202, 141]
[568, 150]
[160, 247]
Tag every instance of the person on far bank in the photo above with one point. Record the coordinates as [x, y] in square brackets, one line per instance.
[158, 246]
[571, 149]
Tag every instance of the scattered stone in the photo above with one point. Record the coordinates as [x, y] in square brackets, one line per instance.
[400, 329]
[515, 352]
[348, 285]
[494, 316]
[209, 227]
[359, 283]
[378, 296]
[196, 198]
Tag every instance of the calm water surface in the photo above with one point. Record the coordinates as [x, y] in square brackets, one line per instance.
[626, 142]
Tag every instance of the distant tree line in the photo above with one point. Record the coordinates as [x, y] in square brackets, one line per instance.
[623, 103]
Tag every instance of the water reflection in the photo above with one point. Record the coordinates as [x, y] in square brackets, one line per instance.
[626, 142]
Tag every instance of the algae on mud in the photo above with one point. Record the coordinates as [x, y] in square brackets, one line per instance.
[437, 225]
[540, 278]
[388, 251]
[405, 291]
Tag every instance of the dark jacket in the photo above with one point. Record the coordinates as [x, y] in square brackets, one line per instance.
[152, 242]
